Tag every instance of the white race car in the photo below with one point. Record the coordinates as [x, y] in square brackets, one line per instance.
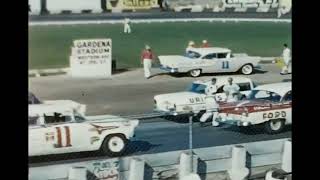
[209, 60]
[193, 97]
[57, 130]
[77, 107]
[269, 104]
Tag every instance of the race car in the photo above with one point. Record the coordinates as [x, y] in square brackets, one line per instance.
[58, 130]
[34, 101]
[209, 60]
[194, 96]
[268, 104]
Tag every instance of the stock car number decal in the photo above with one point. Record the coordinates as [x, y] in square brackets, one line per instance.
[277, 114]
[59, 137]
[196, 100]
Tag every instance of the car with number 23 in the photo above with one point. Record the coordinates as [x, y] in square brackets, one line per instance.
[59, 130]
[209, 60]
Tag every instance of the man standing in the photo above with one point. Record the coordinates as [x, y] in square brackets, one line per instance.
[127, 28]
[146, 59]
[231, 89]
[212, 106]
[190, 46]
[205, 44]
[286, 55]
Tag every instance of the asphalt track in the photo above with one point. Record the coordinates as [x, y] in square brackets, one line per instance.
[157, 14]
[129, 93]
[163, 135]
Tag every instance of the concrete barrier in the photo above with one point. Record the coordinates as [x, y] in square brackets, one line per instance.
[77, 173]
[169, 165]
[35, 6]
[75, 6]
[136, 169]
[287, 156]
[238, 170]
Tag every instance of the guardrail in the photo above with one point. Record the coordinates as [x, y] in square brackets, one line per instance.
[235, 160]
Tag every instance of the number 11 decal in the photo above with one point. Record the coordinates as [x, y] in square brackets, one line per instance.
[225, 64]
[59, 137]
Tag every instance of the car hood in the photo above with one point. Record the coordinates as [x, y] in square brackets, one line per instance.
[111, 120]
[249, 105]
[177, 98]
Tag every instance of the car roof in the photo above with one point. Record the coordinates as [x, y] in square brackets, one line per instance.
[40, 109]
[222, 80]
[208, 50]
[280, 88]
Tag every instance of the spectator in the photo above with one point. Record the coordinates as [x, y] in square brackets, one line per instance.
[146, 59]
[205, 44]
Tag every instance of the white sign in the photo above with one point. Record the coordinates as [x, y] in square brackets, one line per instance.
[91, 58]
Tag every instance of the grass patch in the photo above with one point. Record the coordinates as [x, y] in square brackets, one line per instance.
[50, 46]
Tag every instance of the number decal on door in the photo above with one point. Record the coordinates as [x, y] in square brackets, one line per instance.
[59, 137]
[225, 64]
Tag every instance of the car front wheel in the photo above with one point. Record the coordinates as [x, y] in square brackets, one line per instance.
[274, 126]
[195, 72]
[247, 69]
[114, 145]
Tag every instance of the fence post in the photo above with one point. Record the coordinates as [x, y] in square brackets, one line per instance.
[77, 173]
[136, 171]
[238, 170]
[287, 156]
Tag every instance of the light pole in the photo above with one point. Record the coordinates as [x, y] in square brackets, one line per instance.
[191, 114]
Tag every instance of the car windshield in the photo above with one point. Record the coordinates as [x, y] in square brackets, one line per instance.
[266, 95]
[192, 55]
[197, 88]
[33, 99]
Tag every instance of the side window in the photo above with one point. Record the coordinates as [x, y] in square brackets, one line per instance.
[288, 97]
[220, 89]
[244, 86]
[56, 118]
[33, 120]
[222, 55]
[210, 56]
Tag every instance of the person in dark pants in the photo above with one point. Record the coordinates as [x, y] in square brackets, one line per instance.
[160, 4]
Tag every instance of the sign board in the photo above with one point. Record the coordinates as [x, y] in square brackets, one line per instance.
[91, 58]
[105, 169]
[131, 4]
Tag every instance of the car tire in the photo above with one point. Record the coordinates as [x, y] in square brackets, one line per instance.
[274, 126]
[246, 69]
[195, 72]
[114, 145]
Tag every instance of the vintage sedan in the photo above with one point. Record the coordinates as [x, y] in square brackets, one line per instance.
[268, 104]
[193, 97]
[209, 60]
[57, 130]
[34, 101]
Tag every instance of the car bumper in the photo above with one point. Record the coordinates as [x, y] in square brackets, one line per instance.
[169, 69]
[232, 121]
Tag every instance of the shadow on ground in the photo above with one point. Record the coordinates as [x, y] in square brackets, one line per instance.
[132, 147]
[252, 130]
[119, 71]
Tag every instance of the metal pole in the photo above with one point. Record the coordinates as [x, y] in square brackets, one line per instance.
[190, 140]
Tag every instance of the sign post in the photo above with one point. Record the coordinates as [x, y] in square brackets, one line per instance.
[91, 58]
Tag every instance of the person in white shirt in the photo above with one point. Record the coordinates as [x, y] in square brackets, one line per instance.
[231, 89]
[191, 45]
[127, 28]
[286, 55]
[212, 106]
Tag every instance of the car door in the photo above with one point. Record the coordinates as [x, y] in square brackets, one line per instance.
[287, 101]
[224, 63]
[209, 63]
